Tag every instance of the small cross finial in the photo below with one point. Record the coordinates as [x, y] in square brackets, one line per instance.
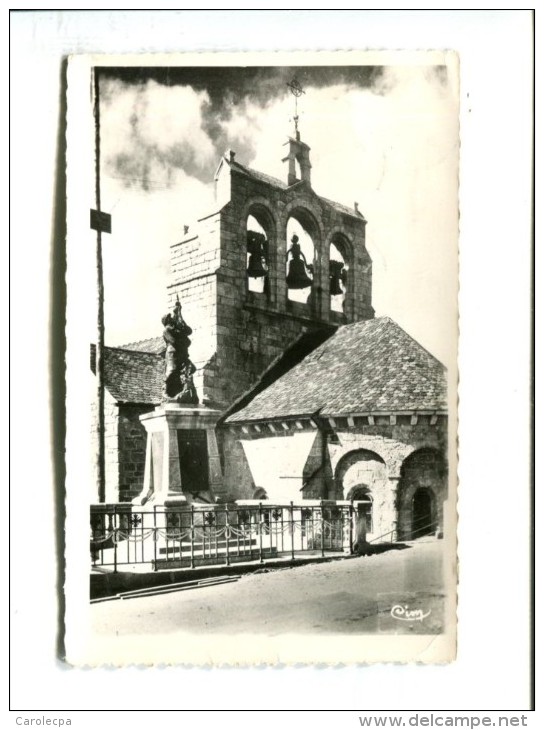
[297, 90]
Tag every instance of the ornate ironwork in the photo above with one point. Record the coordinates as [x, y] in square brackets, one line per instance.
[171, 538]
[173, 519]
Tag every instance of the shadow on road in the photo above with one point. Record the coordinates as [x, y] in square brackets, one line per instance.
[368, 549]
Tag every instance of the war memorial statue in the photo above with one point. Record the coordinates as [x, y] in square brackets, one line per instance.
[178, 376]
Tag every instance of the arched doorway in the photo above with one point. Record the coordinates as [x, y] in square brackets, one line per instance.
[361, 478]
[421, 493]
[362, 500]
[423, 513]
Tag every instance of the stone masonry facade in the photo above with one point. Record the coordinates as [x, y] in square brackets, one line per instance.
[390, 462]
[125, 442]
[386, 462]
[132, 447]
[238, 333]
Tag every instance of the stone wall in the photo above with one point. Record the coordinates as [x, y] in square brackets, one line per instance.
[132, 445]
[125, 443]
[386, 461]
[271, 460]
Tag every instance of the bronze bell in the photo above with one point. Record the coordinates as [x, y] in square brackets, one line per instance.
[297, 277]
[337, 274]
[256, 247]
[255, 267]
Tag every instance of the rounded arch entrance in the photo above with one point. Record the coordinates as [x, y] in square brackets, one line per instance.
[361, 477]
[421, 494]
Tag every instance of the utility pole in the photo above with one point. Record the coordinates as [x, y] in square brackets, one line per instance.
[101, 223]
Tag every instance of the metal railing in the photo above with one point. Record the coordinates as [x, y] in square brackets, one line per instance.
[217, 534]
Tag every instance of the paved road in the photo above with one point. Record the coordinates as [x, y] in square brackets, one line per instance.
[349, 596]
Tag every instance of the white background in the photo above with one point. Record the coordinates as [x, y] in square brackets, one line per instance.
[492, 669]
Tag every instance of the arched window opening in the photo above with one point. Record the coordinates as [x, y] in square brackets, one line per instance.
[338, 276]
[339, 263]
[257, 256]
[300, 261]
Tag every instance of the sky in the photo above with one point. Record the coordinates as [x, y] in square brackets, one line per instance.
[386, 137]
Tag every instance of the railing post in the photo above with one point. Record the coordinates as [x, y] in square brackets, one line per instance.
[155, 537]
[192, 536]
[140, 528]
[114, 540]
[351, 527]
[227, 532]
[292, 532]
[260, 532]
[322, 531]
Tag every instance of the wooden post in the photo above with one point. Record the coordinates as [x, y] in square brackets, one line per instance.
[101, 223]
[99, 365]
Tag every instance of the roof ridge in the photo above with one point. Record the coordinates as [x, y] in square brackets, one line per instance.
[141, 341]
[277, 180]
[272, 180]
[419, 345]
[132, 352]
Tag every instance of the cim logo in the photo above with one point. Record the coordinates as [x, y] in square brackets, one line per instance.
[405, 613]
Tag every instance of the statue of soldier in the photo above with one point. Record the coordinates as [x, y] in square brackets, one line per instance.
[178, 376]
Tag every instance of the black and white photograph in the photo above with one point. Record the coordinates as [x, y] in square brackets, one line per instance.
[272, 344]
[272, 335]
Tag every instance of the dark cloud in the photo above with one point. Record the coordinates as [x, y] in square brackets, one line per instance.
[230, 85]
[226, 91]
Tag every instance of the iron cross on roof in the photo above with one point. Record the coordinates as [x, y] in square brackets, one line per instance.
[296, 89]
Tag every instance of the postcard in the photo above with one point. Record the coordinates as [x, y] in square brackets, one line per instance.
[261, 369]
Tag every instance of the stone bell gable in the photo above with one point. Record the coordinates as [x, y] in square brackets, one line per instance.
[239, 332]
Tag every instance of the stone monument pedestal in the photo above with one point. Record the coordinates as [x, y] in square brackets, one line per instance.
[182, 463]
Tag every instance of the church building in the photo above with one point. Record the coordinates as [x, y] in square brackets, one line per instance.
[314, 397]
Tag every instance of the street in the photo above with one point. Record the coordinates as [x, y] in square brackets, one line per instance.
[397, 591]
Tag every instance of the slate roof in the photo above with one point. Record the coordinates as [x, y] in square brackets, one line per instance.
[259, 176]
[131, 376]
[152, 344]
[276, 183]
[367, 367]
